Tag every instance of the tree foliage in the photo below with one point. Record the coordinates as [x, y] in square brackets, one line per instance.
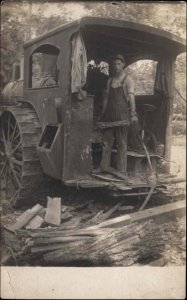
[21, 21]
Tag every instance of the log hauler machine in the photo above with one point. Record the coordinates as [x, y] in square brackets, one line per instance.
[50, 114]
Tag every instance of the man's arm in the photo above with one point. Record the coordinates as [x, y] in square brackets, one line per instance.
[131, 99]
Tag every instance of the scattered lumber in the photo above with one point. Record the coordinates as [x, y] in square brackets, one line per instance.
[108, 249]
[26, 217]
[99, 241]
[53, 213]
[35, 222]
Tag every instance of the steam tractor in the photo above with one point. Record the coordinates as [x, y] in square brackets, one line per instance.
[50, 111]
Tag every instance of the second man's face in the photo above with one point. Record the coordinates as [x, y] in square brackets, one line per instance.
[118, 66]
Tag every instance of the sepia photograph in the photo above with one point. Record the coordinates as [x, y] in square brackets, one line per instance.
[93, 149]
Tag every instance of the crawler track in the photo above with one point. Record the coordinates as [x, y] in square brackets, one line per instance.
[20, 171]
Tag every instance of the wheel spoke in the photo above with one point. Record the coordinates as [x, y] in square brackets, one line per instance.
[8, 129]
[15, 175]
[4, 140]
[12, 181]
[17, 162]
[17, 136]
[3, 168]
[2, 153]
[10, 155]
[12, 136]
[18, 170]
[6, 180]
[14, 149]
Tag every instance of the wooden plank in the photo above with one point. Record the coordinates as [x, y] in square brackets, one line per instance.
[60, 239]
[110, 124]
[66, 216]
[23, 220]
[53, 213]
[47, 248]
[110, 211]
[93, 184]
[171, 180]
[147, 198]
[35, 222]
[114, 223]
[106, 178]
[67, 233]
[126, 207]
[116, 173]
[42, 213]
[74, 222]
[23, 215]
[86, 183]
[122, 186]
[161, 214]
[138, 194]
[138, 154]
[96, 218]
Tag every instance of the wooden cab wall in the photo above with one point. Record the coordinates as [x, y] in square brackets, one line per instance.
[52, 103]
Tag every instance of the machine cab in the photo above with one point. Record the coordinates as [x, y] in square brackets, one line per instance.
[64, 85]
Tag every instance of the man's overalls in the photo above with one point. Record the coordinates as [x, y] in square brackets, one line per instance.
[116, 110]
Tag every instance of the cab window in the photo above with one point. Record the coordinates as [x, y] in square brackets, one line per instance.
[44, 67]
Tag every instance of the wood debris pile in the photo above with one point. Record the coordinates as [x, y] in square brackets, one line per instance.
[65, 235]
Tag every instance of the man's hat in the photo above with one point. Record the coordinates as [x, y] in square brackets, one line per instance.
[120, 57]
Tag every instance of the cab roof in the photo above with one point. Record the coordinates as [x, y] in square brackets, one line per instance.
[135, 34]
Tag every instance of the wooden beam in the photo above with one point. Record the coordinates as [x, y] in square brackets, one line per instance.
[106, 178]
[116, 173]
[26, 217]
[60, 239]
[115, 222]
[35, 222]
[53, 213]
[161, 214]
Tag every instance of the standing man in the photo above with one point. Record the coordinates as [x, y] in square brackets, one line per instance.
[119, 95]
